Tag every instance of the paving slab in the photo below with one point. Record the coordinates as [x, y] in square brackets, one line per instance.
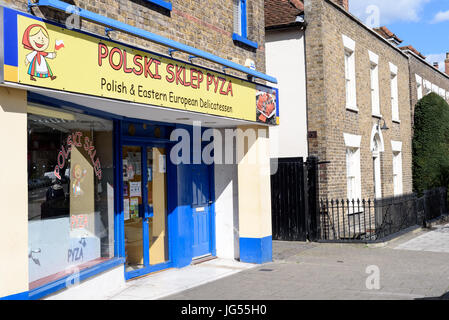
[173, 281]
[436, 240]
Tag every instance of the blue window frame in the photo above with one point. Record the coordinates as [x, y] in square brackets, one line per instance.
[240, 24]
[162, 3]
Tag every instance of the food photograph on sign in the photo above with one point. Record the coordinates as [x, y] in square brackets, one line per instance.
[266, 102]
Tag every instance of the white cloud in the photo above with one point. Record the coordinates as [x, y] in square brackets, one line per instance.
[436, 57]
[389, 11]
[441, 16]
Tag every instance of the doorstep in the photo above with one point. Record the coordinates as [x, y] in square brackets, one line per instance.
[172, 281]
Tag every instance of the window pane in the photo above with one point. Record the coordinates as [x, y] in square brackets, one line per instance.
[70, 193]
[237, 17]
[132, 206]
[157, 199]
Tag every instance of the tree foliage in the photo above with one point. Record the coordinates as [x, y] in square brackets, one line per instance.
[431, 144]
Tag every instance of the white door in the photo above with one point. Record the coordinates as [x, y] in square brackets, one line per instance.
[377, 177]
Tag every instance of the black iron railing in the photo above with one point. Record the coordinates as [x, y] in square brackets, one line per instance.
[373, 220]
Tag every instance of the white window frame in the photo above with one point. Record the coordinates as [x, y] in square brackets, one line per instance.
[435, 88]
[394, 93]
[353, 177]
[396, 147]
[427, 87]
[419, 87]
[374, 82]
[442, 93]
[350, 79]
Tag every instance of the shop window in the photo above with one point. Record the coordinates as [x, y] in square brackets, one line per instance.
[240, 13]
[70, 193]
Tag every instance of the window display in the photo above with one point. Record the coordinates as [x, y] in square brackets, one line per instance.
[70, 193]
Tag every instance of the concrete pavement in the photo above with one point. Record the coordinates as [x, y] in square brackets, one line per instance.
[167, 282]
[416, 268]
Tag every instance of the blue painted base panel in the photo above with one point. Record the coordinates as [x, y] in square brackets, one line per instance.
[256, 250]
[147, 270]
[17, 296]
[60, 284]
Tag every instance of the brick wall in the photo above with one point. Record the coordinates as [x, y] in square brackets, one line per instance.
[327, 114]
[206, 25]
[426, 72]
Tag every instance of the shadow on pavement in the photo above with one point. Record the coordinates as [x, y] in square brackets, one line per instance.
[443, 297]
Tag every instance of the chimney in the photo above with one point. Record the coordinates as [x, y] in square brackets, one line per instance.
[435, 64]
[343, 3]
[446, 64]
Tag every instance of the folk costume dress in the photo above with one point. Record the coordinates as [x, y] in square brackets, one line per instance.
[38, 65]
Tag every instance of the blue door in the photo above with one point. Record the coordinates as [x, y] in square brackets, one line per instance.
[201, 200]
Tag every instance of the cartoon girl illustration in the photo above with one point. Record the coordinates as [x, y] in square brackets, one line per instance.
[36, 39]
[78, 175]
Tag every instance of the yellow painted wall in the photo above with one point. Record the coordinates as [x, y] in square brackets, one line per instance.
[254, 182]
[158, 249]
[13, 192]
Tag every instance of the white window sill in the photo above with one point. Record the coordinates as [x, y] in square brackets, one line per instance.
[352, 108]
[375, 115]
[396, 120]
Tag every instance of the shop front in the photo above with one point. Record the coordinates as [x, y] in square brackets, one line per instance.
[118, 144]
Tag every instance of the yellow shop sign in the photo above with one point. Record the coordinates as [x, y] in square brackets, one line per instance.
[58, 58]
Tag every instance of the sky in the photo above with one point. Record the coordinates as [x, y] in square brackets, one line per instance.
[424, 24]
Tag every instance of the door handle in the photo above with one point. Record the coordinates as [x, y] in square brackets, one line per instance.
[30, 255]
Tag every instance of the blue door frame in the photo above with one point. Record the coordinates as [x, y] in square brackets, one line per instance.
[180, 206]
[144, 143]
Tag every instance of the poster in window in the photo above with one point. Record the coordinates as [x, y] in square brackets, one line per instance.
[150, 174]
[137, 163]
[162, 163]
[135, 189]
[126, 208]
[125, 190]
[130, 170]
[134, 207]
[125, 169]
